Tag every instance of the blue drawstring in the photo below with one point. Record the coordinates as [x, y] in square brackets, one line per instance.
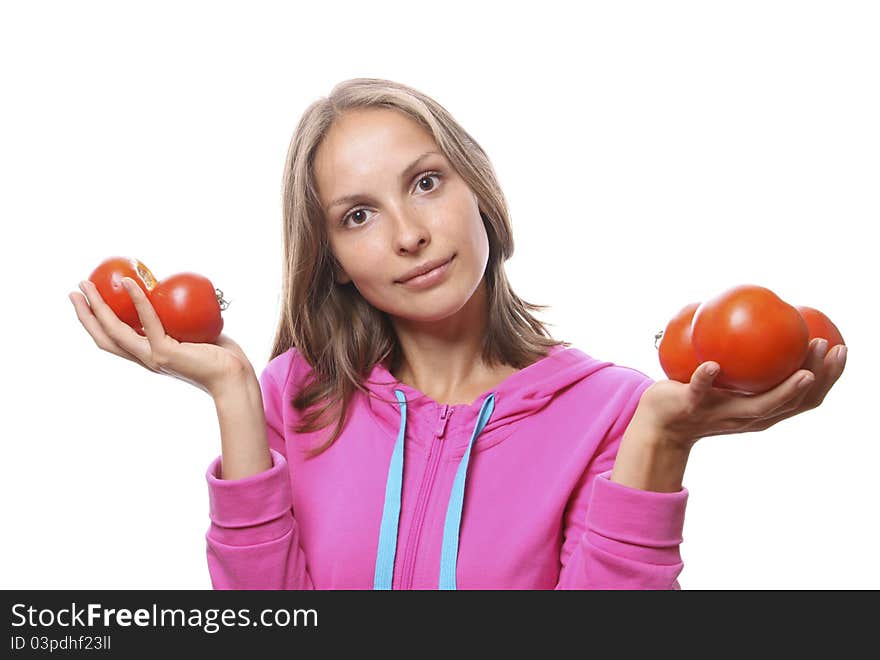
[391, 511]
[449, 551]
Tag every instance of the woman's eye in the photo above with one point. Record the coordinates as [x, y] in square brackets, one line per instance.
[428, 176]
[419, 180]
[351, 214]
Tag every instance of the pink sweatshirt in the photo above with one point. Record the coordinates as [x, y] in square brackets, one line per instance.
[512, 491]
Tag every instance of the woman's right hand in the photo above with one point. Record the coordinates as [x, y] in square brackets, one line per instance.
[210, 367]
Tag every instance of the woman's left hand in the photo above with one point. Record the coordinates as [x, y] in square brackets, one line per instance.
[685, 412]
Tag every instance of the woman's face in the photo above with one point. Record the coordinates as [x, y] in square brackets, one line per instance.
[402, 209]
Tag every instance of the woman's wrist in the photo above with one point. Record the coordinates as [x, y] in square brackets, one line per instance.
[647, 460]
[235, 385]
[243, 433]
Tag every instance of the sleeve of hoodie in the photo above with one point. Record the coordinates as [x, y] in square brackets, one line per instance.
[617, 537]
[253, 541]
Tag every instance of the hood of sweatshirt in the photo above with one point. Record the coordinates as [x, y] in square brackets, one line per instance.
[519, 395]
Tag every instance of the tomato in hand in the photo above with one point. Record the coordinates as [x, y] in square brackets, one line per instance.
[676, 351]
[189, 307]
[757, 338]
[821, 326]
[107, 278]
[187, 304]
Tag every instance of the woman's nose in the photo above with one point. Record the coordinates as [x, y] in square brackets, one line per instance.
[409, 230]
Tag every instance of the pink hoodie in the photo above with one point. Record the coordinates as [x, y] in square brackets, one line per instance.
[533, 506]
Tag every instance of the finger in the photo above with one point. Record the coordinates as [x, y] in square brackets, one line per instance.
[790, 396]
[816, 355]
[764, 405]
[797, 404]
[120, 333]
[146, 313]
[703, 378]
[93, 327]
[837, 359]
[830, 369]
[795, 407]
[814, 364]
[826, 367]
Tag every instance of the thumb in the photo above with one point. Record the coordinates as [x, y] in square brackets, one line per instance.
[704, 376]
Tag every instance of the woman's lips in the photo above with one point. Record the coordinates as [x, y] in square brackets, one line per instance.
[430, 278]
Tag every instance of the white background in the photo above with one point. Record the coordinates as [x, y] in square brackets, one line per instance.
[653, 154]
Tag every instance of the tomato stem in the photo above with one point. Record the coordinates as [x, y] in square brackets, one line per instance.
[224, 304]
[657, 338]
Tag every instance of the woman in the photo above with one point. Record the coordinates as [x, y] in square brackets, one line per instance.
[416, 427]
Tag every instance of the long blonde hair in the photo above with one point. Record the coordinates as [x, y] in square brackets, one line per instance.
[339, 333]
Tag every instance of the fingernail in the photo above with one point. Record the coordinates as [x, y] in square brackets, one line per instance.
[712, 370]
[841, 353]
[805, 381]
[821, 347]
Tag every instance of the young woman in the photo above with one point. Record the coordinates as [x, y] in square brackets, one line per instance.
[416, 427]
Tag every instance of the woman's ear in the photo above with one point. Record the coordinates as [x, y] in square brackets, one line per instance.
[340, 275]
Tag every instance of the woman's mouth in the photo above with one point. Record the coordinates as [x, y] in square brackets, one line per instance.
[431, 278]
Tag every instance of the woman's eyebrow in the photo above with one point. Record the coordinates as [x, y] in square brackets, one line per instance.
[347, 199]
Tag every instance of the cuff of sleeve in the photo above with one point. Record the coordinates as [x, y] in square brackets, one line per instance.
[249, 501]
[638, 517]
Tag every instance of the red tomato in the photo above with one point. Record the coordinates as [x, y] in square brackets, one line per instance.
[758, 339]
[821, 326]
[677, 355]
[189, 307]
[107, 278]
